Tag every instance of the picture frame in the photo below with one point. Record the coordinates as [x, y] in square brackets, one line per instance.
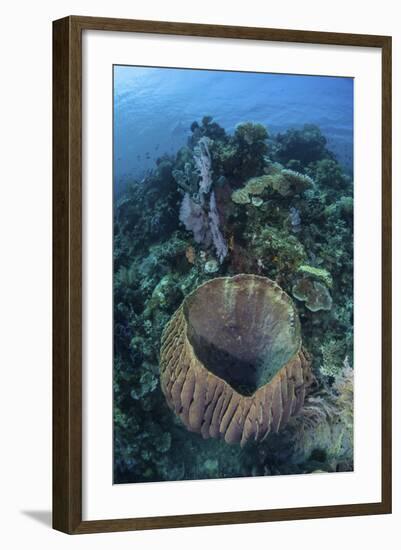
[68, 294]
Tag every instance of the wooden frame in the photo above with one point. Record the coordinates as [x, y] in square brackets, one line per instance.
[67, 294]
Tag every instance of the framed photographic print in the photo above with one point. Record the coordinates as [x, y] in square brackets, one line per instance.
[222, 274]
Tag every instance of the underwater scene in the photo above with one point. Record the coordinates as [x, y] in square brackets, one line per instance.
[232, 274]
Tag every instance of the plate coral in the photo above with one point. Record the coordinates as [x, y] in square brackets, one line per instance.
[236, 371]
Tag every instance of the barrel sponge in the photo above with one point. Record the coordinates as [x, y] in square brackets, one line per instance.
[236, 370]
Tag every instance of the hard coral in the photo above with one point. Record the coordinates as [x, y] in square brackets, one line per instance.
[314, 294]
[241, 196]
[329, 175]
[257, 201]
[250, 133]
[249, 142]
[284, 182]
[317, 273]
[305, 145]
[298, 182]
[332, 351]
[322, 433]
[289, 182]
[208, 128]
[280, 253]
[254, 186]
[187, 179]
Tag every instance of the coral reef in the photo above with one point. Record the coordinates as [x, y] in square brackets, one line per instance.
[211, 266]
[275, 206]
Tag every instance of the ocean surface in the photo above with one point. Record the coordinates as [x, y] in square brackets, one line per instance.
[154, 108]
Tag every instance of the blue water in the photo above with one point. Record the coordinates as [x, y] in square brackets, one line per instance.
[154, 108]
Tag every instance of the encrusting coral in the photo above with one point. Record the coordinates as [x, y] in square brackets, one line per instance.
[317, 273]
[314, 294]
[284, 182]
[237, 371]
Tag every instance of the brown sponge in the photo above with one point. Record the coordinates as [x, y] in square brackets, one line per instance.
[231, 360]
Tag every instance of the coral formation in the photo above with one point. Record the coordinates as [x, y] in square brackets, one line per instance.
[323, 431]
[295, 219]
[257, 201]
[241, 196]
[298, 182]
[237, 371]
[314, 294]
[289, 182]
[187, 179]
[303, 145]
[284, 182]
[332, 362]
[211, 266]
[328, 173]
[275, 206]
[317, 273]
[256, 186]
